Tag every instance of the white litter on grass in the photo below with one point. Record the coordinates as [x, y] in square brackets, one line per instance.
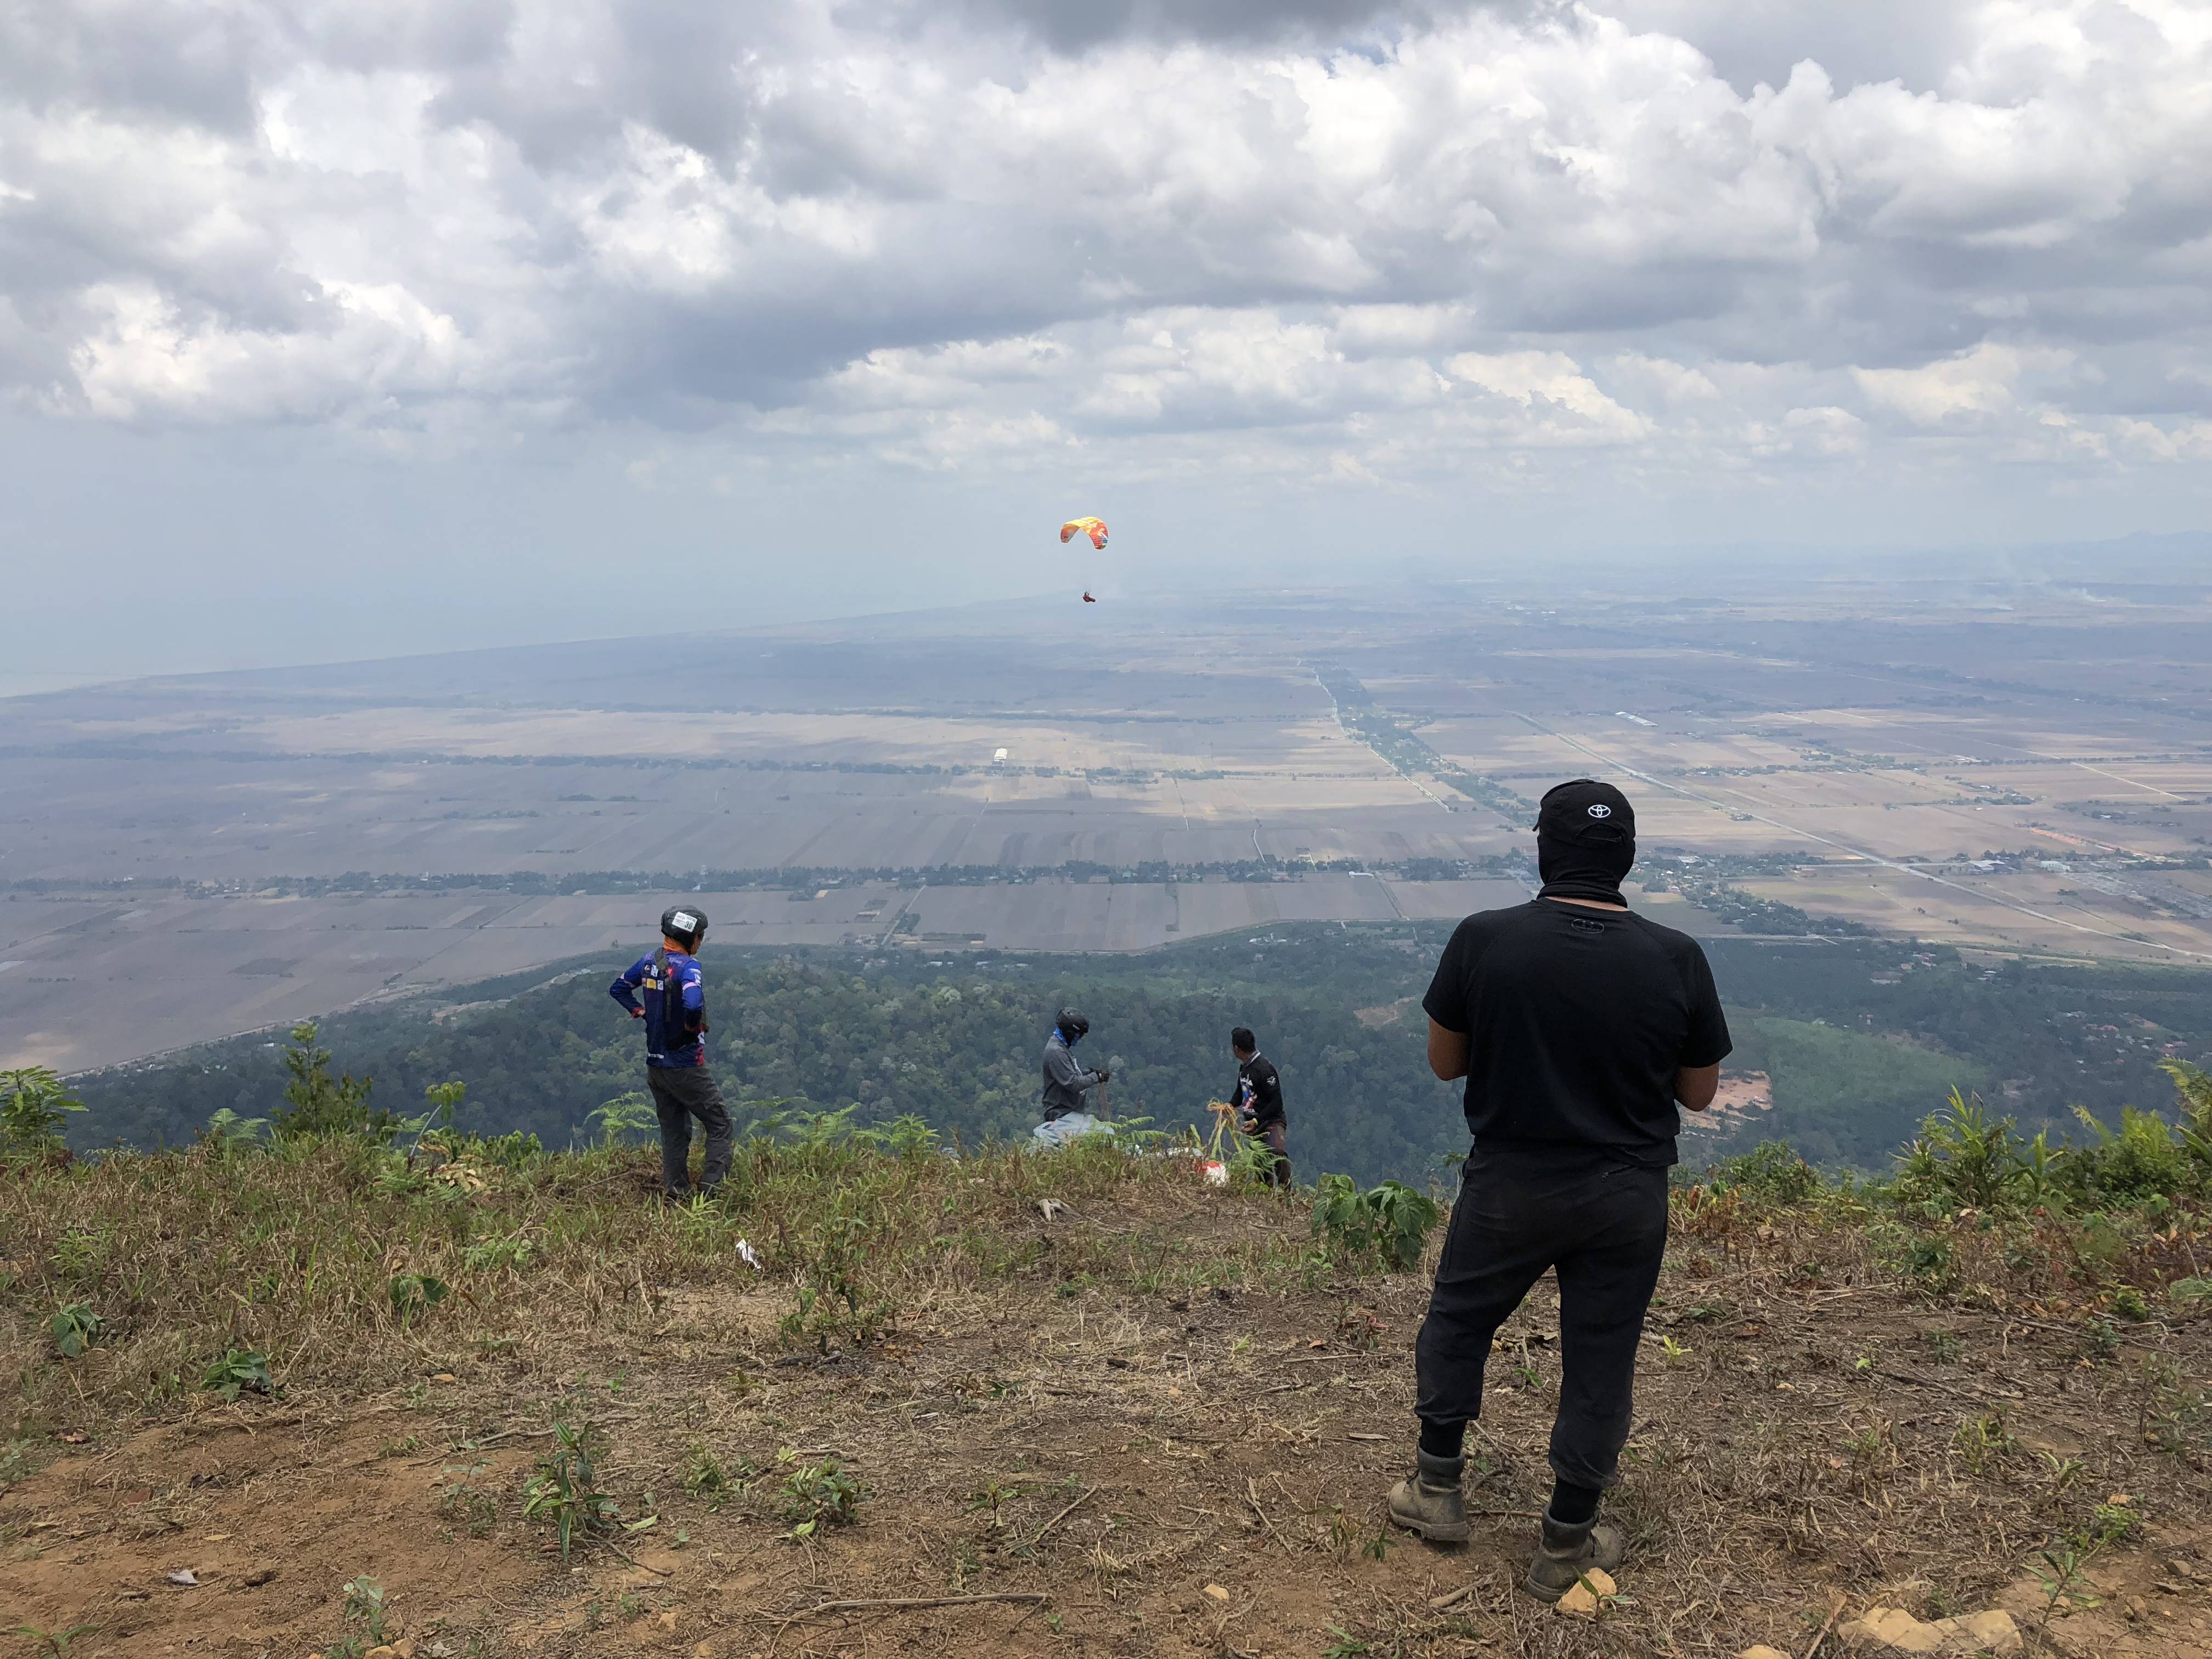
[749, 1256]
[1217, 1174]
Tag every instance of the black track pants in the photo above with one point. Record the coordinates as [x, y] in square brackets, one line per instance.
[680, 1094]
[1604, 1226]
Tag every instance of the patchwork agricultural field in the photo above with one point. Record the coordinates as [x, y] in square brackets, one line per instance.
[2016, 767]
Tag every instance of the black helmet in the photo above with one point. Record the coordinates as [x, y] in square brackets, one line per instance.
[1071, 1024]
[684, 923]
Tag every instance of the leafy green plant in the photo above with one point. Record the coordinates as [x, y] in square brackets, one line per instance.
[445, 1100]
[1983, 1442]
[366, 1605]
[34, 1105]
[510, 1255]
[1930, 1264]
[835, 1296]
[906, 1137]
[413, 1295]
[563, 1489]
[75, 1328]
[2174, 1409]
[238, 1372]
[1390, 1222]
[820, 1495]
[2141, 1158]
[317, 1104]
[2108, 1524]
[623, 1120]
[2061, 1571]
[1963, 1157]
[467, 1503]
[230, 1133]
[1773, 1170]
[706, 1480]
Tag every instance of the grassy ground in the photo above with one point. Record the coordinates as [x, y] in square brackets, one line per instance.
[1152, 1414]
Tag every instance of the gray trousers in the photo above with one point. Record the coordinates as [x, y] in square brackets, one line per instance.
[680, 1094]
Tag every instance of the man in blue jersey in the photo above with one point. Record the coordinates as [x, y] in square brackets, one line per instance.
[674, 1011]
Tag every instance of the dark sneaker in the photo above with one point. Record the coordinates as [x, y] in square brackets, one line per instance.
[1565, 1553]
[1428, 1501]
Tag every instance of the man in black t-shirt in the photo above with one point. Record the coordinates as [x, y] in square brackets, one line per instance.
[1259, 1099]
[1578, 1026]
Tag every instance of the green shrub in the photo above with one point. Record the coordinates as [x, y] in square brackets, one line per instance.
[623, 1120]
[564, 1488]
[1772, 1170]
[820, 1495]
[1390, 1222]
[413, 1295]
[236, 1373]
[227, 1132]
[2143, 1158]
[75, 1328]
[34, 1104]
[317, 1104]
[1963, 1158]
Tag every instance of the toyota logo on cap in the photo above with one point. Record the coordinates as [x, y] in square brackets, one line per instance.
[1599, 810]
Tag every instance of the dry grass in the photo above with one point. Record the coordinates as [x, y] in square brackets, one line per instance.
[1114, 1408]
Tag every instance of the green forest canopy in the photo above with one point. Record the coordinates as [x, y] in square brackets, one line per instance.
[1861, 1039]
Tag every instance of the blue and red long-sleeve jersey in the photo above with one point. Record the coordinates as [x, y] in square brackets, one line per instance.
[675, 1007]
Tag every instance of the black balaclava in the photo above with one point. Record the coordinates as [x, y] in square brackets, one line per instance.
[1585, 840]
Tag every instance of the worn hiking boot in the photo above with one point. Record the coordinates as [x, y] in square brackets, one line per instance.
[1428, 1502]
[1565, 1553]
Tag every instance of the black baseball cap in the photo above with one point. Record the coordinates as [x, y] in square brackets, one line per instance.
[1583, 813]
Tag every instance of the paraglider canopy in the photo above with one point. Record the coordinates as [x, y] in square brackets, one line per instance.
[1094, 528]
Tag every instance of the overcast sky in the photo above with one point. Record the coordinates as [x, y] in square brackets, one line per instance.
[329, 330]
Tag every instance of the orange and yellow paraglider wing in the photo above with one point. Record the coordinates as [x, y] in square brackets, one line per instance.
[1094, 528]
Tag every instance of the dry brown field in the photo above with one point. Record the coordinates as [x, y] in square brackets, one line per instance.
[1866, 745]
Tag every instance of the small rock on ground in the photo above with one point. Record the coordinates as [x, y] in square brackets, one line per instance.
[1584, 1598]
[1892, 1629]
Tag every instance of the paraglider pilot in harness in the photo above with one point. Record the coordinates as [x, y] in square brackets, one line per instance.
[674, 1011]
[1066, 1114]
[1578, 1026]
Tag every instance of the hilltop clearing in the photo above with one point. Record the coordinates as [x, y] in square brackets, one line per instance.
[1081, 1404]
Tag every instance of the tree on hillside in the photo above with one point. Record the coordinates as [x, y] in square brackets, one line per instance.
[317, 1103]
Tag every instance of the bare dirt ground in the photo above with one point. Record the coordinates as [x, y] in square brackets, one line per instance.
[1148, 1464]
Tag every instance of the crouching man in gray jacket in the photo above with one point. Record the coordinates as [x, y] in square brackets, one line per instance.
[1066, 1083]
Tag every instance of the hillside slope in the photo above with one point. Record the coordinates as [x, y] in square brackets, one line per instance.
[1154, 1417]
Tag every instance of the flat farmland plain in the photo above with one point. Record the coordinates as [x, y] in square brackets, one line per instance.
[2013, 766]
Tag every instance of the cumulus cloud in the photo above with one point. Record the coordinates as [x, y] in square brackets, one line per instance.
[1335, 240]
